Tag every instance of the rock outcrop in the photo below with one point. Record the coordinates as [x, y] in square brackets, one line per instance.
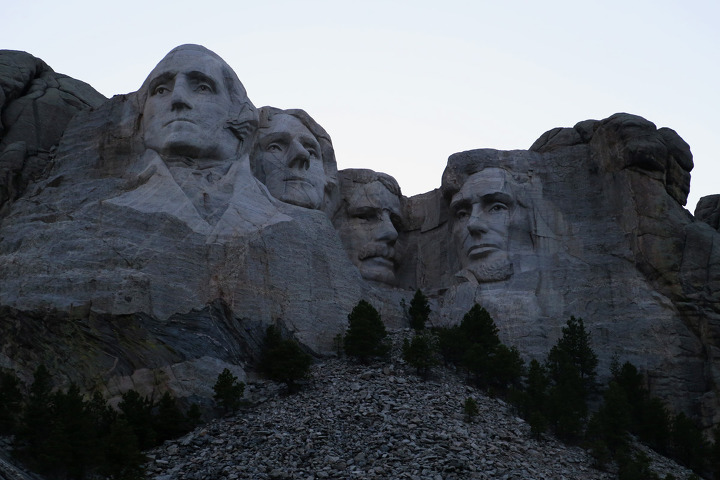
[147, 252]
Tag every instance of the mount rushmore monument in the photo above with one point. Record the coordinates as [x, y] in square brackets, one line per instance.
[148, 240]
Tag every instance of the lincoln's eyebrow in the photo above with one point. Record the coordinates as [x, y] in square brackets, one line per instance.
[198, 77]
[160, 79]
[501, 197]
[460, 203]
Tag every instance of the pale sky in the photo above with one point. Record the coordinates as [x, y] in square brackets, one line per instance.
[401, 85]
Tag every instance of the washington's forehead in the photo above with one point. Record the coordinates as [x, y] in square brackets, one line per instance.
[184, 61]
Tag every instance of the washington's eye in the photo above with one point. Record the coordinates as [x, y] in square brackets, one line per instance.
[160, 90]
[204, 88]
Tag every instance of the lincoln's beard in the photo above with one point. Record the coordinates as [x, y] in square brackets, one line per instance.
[495, 271]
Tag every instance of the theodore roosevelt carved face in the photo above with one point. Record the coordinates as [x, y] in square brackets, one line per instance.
[369, 221]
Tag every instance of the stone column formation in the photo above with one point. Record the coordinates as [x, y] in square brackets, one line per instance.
[150, 239]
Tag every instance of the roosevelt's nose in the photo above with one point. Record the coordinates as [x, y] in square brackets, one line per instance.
[385, 230]
[299, 156]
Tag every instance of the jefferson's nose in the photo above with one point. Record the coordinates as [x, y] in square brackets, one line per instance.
[299, 156]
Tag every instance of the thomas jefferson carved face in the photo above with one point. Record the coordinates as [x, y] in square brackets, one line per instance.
[291, 163]
[370, 229]
[187, 108]
[481, 213]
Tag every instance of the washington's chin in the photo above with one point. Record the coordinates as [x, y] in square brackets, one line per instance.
[379, 269]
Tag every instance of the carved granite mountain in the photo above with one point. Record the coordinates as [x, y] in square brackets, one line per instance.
[148, 255]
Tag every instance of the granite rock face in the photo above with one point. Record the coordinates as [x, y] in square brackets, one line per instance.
[36, 105]
[168, 230]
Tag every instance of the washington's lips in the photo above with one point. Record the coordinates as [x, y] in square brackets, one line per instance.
[182, 119]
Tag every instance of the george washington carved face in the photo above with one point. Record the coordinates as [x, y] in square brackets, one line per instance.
[192, 96]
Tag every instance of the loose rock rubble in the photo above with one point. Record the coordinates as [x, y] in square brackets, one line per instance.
[374, 422]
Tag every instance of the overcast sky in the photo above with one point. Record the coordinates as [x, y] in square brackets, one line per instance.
[401, 85]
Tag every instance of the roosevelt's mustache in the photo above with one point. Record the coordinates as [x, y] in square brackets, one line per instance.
[377, 250]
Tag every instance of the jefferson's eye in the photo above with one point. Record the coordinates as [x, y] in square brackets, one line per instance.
[366, 215]
[273, 147]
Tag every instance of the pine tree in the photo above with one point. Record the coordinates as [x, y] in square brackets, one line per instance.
[421, 352]
[228, 391]
[479, 342]
[534, 399]
[36, 422]
[571, 366]
[137, 413]
[366, 334]
[168, 421]
[10, 402]
[283, 360]
[419, 311]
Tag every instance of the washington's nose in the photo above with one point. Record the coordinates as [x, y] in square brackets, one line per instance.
[180, 99]
[299, 156]
[386, 231]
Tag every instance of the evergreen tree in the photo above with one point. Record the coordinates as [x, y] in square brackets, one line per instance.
[419, 311]
[534, 399]
[571, 366]
[451, 344]
[137, 413]
[123, 459]
[228, 391]
[366, 334]
[72, 445]
[421, 352]
[36, 422]
[283, 360]
[168, 421]
[10, 402]
[609, 426]
[689, 446]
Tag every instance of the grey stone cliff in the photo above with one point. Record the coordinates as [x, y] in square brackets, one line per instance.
[148, 253]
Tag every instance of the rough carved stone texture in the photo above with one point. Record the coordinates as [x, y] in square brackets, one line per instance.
[149, 243]
[35, 106]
